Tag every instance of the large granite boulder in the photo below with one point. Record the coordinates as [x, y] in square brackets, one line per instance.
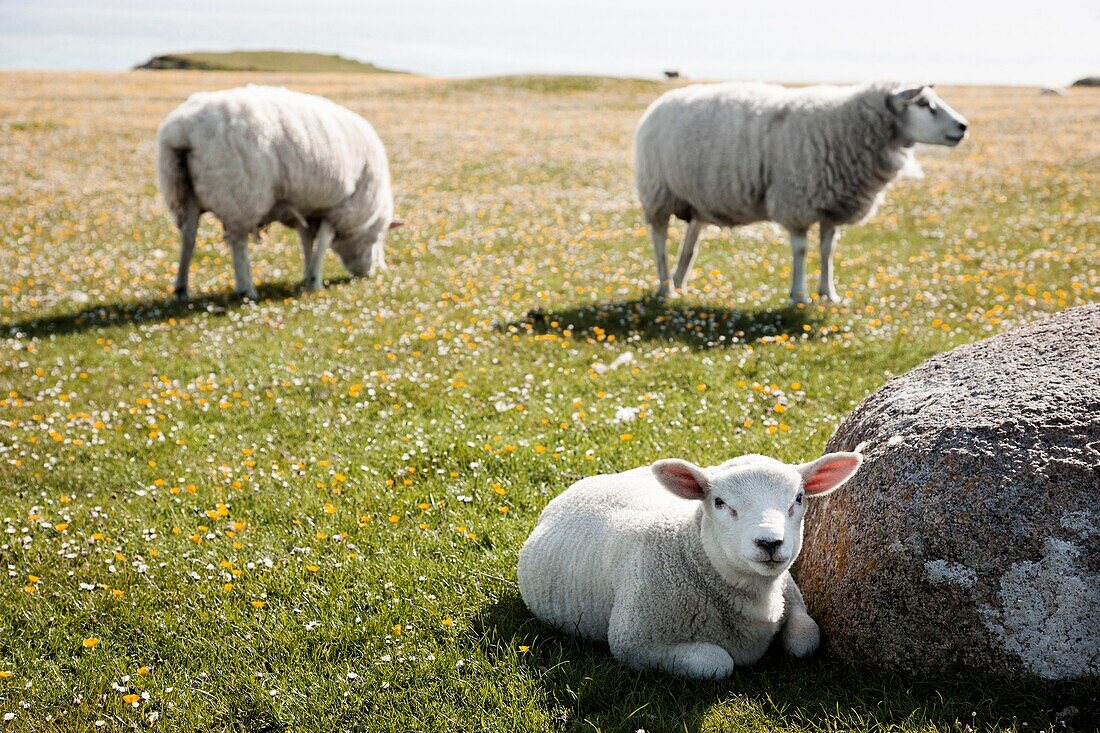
[970, 539]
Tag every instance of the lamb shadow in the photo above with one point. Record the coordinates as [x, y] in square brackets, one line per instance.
[107, 315]
[651, 318]
[586, 689]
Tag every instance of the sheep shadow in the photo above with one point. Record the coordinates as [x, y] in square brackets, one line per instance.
[586, 689]
[129, 313]
[651, 318]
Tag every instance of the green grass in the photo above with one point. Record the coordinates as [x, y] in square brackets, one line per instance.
[267, 61]
[361, 465]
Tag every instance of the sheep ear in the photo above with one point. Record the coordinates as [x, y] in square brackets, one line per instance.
[684, 479]
[396, 224]
[828, 473]
[901, 97]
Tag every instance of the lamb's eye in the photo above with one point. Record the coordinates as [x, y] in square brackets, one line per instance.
[798, 499]
[718, 503]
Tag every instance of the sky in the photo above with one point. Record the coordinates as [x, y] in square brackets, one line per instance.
[1048, 42]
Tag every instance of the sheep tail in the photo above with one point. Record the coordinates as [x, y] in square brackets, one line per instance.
[173, 174]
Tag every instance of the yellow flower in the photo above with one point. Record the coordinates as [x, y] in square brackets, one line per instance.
[330, 509]
[523, 648]
[626, 436]
[116, 593]
[394, 519]
[312, 568]
[61, 527]
[258, 604]
[448, 622]
[4, 674]
[131, 699]
[143, 671]
[780, 408]
[397, 630]
[91, 643]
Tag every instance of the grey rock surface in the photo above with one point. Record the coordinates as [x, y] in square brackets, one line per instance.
[970, 539]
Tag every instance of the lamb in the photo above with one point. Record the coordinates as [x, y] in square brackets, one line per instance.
[733, 154]
[677, 567]
[256, 155]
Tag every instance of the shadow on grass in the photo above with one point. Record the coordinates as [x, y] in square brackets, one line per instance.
[652, 318]
[587, 689]
[135, 312]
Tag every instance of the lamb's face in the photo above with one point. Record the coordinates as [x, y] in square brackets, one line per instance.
[753, 505]
[928, 119]
[357, 251]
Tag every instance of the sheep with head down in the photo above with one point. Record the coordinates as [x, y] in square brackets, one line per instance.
[256, 155]
[678, 567]
[733, 154]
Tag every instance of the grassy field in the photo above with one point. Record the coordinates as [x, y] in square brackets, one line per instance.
[267, 61]
[304, 513]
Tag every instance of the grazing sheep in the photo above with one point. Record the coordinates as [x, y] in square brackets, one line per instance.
[679, 567]
[255, 155]
[732, 154]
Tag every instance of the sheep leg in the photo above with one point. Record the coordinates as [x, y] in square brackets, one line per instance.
[694, 659]
[305, 234]
[800, 634]
[242, 270]
[189, 229]
[825, 288]
[659, 232]
[325, 234]
[798, 268]
[687, 254]
[377, 258]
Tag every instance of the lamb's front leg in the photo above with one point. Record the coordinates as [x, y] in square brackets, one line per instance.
[798, 268]
[825, 288]
[634, 643]
[800, 634]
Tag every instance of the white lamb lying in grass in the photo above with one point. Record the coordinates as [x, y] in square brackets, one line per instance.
[679, 567]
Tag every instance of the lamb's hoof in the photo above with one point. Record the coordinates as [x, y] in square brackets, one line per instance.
[251, 294]
[181, 295]
[701, 661]
[799, 299]
[831, 298]
[662, 292]
[312, 286]
[801, 636]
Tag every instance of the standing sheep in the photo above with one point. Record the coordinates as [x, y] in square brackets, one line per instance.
[255, 155]
[679, 567]
[733, 154]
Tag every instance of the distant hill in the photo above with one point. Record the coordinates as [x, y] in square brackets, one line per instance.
[275, 61]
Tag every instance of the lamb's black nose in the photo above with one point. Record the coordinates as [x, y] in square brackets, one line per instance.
[769, 546]
[962, 127]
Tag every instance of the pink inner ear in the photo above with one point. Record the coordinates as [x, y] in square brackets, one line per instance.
[830, 475]
[680, 480]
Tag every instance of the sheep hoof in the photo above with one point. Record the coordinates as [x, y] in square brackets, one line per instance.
[313, 286]
[662, 291]
[701, 661]
[831, 298]
[181, 295]
[250, 294]
[800, 636]
[799, 299]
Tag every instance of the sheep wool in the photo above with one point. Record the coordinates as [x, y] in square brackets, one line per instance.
[256, 155]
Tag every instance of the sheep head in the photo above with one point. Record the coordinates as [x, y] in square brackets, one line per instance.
[753, 506]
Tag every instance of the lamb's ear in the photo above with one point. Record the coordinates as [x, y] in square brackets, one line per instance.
[684, 479]
[396, 223]
[901, 97]
[828, 473]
